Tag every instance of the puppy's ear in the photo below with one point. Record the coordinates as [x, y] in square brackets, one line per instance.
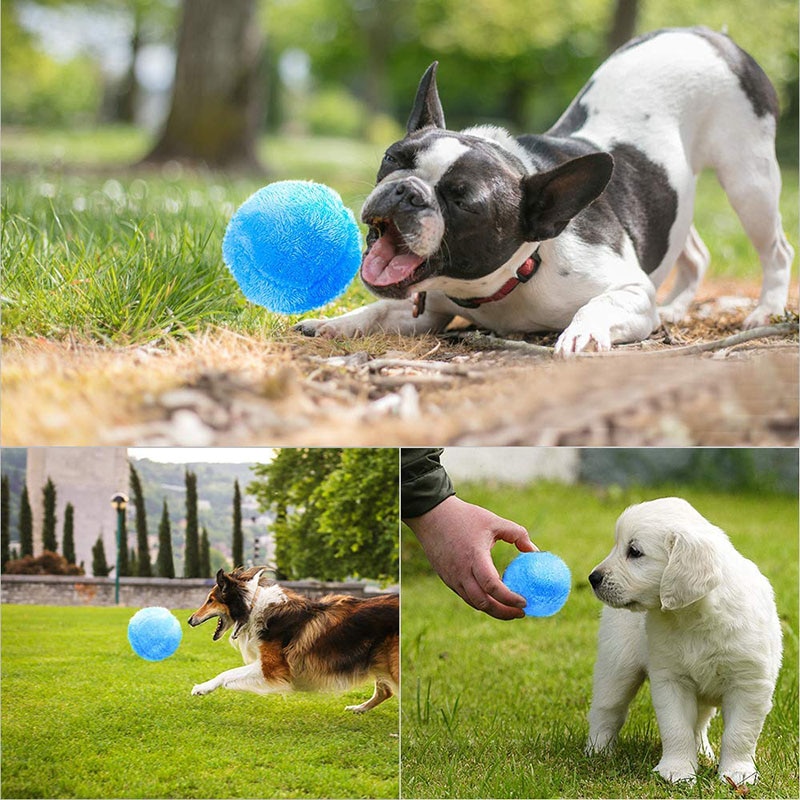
[693, 570]
[551, 199]
[427, 111]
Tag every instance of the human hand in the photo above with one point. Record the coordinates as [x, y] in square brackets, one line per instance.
[457, 538]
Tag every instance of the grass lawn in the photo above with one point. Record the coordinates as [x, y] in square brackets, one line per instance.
[494, 709]
[125, 256]
[82, 716]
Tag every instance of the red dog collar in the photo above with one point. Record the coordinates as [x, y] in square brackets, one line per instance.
[523, 275]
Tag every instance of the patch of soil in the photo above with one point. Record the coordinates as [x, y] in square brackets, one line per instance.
[461, 388]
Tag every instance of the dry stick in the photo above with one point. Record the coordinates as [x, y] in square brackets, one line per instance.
[768, 331]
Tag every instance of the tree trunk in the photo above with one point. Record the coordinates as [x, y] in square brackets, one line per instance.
[623, 24]
[216, 100]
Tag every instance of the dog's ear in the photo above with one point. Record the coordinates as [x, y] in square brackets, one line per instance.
[551, 199]
[427, 111]
[222, 580]
[693, 570]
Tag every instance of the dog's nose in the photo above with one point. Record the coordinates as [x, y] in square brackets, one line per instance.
[596, 578]
[410, 193]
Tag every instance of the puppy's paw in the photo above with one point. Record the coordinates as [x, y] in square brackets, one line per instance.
[672, 313]
[203, 688]
[600, 745]
[761, 316]
[577, 339]
[356, 709]
[739, 773]
[674, 771]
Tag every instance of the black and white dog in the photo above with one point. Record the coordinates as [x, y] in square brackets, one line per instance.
[575, 229]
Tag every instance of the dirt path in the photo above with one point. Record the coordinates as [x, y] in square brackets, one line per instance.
[463, 388]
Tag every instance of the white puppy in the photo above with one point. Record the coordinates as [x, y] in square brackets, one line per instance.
[709, 637]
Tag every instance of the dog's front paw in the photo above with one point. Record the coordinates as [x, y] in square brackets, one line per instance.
[739, 773]
[200, 689]
[356, 709]
[314, 327]
[761, 316]
[600, 744]
[674, 771]
[577, 339]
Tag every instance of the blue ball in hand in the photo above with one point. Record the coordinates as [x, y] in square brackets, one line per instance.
[154, 633]
[293, 246]
[543, 579]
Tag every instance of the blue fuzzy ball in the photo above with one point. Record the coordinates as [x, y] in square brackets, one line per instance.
[543, 579]
[154, 633]
[293, 246]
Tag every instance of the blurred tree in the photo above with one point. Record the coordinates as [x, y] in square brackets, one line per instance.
[623, 24]
[25, 525]
[49, 541]
[100, 568]
[165, 566]
[205, 555]
[336, 511]
[5, 523]
[237, 546]
[216, 99]
[68, 540]
[191, 567]
[143, 565]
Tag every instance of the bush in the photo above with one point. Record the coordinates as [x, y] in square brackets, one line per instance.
[46, 564]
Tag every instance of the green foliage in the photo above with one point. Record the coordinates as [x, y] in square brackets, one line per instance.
[5, 522]
[336, 511]
[205, 555]
[165, 566]
[143, 566]
[123, 559]
[237, 544]
[100, 568]
[191, 565]
[68, 540]
[49, 541]
[85, 717]
[499, 709]
[25, 524]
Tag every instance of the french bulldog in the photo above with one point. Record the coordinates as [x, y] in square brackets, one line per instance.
[574, 230]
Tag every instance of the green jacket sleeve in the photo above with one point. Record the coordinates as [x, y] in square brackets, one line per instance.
[423, 481]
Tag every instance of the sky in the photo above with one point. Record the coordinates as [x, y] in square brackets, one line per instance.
[200, 455]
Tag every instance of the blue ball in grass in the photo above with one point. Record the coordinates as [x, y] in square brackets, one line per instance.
[543, 579]
[154, 633]
[293, 246]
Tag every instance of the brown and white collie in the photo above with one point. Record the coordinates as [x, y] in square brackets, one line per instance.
[292, 643]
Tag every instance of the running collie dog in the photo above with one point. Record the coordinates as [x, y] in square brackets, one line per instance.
[292, 643]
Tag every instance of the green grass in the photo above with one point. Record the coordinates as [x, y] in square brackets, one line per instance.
[499, 709]
[135, 256]
[82, 716]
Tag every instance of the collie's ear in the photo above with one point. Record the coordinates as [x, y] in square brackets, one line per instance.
[223, 581]
[693, 570]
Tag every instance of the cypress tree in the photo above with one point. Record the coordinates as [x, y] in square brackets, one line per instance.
[165, 565]
[100, 568]
[25, 525]
[191, 567]
[238, 536]
[124, 564]
[5, 523]
[143, 566]
[68, 543]
[49, 541]
[205, 555]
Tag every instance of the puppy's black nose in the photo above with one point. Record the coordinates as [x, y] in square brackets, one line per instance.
[596, 578]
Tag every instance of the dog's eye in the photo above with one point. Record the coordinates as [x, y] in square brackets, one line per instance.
[634, 552]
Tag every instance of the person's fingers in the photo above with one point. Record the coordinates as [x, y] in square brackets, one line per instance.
[473, 594]
[517, 535]
[488, 580]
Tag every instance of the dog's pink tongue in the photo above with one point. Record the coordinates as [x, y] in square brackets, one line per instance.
[384, 266]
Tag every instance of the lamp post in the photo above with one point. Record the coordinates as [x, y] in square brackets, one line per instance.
[119, 501]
